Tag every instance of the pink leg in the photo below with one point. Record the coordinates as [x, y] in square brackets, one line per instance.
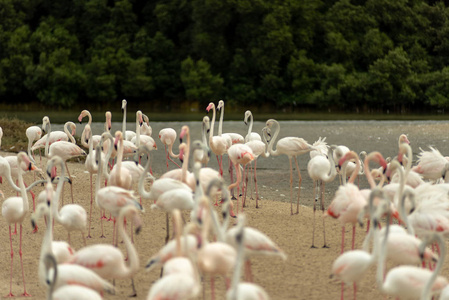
[102, 231]
[90, 210]
[291, 186]
[166, 157]
[244, 187]
[342, 290]
[25, 294]
[12, 256]
[212, 287]
[220, 167]
[232, 178]
[255, 184]
[355, 288]
[299, 185]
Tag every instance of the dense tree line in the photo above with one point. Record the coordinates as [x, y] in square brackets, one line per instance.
[355, 55]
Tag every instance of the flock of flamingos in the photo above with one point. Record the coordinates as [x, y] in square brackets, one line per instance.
[416, 196]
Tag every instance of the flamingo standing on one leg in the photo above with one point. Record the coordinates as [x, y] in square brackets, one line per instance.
[292, 147]
[33, 133]
[14, 210]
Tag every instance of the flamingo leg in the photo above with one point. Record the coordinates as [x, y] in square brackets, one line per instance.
[12, 256]
[134, 294]
[166, 156]
[315, 200]
[244, 187]
[167, 222]
[25, 294]
[102, 230]
[249, 273]
[90, 210]
[322, 210]
[212, 287]
[232, 178]
[299, 185]
[291, 185]
[239, 178]
[255, 184]
[353, 236]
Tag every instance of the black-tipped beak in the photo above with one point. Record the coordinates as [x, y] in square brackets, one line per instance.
[246, 123]
[30, 167]
[115, 147]
[33, 224]
[70, 181]
[138, 229]
[180, 140]
[182, 160]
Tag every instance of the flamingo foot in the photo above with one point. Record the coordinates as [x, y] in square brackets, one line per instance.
[35, 229]
[88, 236]
[110, 219]
[102, 236]
[325, 246]
[133, 295]
[9, 295]
[216, 203]
[313, 247]
[25, 294]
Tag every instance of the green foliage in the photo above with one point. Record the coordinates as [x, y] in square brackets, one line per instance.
[14, 138]
[346, 54]
[199, 83]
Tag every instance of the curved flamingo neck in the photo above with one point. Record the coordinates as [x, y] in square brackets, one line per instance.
[425, 294]
[368, 174]
[119, 158]
[69, 134]
[23, 192]
[141, 188]
[185, 164]
[273, 140]
[250, 127]
[332, 172]
[133, 258]
[137, 131]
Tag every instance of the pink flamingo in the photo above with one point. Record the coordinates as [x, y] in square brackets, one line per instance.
[218, 143]
[240, 154]
[108, 261]
[292, 147]
[321, 170]
[250, 136]
[95, 138]
[430, 164]
[146, 128]
[14, 210]
[215, 258]
[203, 156]
[410, 281]
[58, 276]
[243, 290]
[65, 150]
[168, 137]
[141, 138]
[348, 201]
[56, 136]
[350, 266]
[72, 217]
[127, 134]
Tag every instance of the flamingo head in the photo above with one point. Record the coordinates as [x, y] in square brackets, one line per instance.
[118, 137]
[403, 139]
[349, 155]
[184, 131]
[25, 163]
[139, 117]
[247, 116]
[124, 102]
[210, 106]
[82, 115]
[220, 104]
[45, 124]
[181, 151]
[108, 116]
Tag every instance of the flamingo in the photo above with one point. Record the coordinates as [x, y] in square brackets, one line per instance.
[106, 260]
[292, 147]
[409, 281]
[250, 136]
[430, 164]
[348, 201]
[240, 154]
[33, 133]
[217, 144]
[72, 217]
[168, 137]
[141, 138]
[58, 276]
[321, 170]
[350, 266]
[14, 210]
[65, 150]
[95, 138]
[259, 149]
[243, 290]
[73, 292]
[214, 258]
